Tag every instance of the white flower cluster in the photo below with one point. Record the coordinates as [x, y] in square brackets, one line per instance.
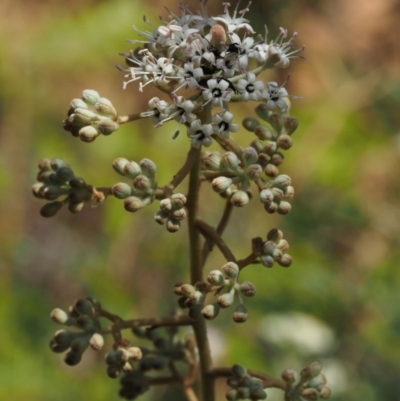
[210, 55]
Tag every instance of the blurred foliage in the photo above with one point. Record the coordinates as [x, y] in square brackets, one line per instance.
[343, 228]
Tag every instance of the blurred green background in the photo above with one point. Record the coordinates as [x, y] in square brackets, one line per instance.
[339, 302]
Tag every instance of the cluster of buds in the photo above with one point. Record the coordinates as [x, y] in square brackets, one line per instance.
[225, 287]
[244, 386]
[191, 297]
[166, 349]
[122, 358]
[236, 183]
[223, 283]
[275, 194]
[309, 385]
[91, 116]
[272, 137]
[273, 249]
[57, 180]
[83, 315]
[172, 212]
[144, 184]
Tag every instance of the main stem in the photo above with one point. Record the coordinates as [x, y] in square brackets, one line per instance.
[196, 271]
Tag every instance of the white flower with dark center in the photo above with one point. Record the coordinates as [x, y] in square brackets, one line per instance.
[181, 43]
[222, 124]
[275, 97]
[200, 134]
[217, 92]
[249, 88]
[190, 75]
[181, 110]
[232, 23]
[261, 52]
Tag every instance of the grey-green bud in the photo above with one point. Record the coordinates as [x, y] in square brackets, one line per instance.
[149, 169]
[133, 204]
[240, 314]
[107, 126]
[221, 184]
[119, 165]
[250, 124]
[90, 96]
[88, 133]
[105, 107]
[121, 190]
[210, 311]
[51, 209]
[240, 198]
[231, 270]
[248, 289]
[131, 169]
[215, 277]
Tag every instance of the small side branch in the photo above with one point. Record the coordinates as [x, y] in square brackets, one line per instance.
[129, 118]
[268, 381]
[210, 233]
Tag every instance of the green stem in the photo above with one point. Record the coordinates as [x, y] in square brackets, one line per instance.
[196, 271]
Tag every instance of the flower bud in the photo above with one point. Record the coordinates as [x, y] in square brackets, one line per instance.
[57, 163]
[290, 124]
[173, 225]
[210, 311]
[141, 183]
[277, 159]
[282, 181]
[271, 170]
[61, 317]
[249, 155]
[133, 204]
[187, 290]
[80, 343]
[72, 358]
[289, 375]
[262, 110]
[105, 107]
[58, 348]
[52, 192]
[161, 217]
[267, 260]
[96, 342]
[258, 146]
[231, 270]
[247, 289]
[75, 207]
[196, 298]
[212, 161]
[274, 235]
[215, 277]
[325, 392]
[253, 172]
[229, 161]
[285, 142]
[240, 314]
[310, 394]
[131, 169]
[283, 245]
[88, 134]
[77, 104]
[65, 174]
[226, 300]
[107, 126]
[266, 196]
[77, 183]
[239, 370]
[263, 132]
[178, 200]
[311, 371]
[270, 147]
[271, 208]
[149, 169]
[243, 392]
[240, 198]
[121, 190]
[51, 209]
[250, 124]
[289, 192]
[221, 184]
[284, 207]
[113, 371]
[286, 260]
[90, 96]
[166, 205]
[44, 165]
[119, 165]
[83, 117]
[178, 214]
[64, 337]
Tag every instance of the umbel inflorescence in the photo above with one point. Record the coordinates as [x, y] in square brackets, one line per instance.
[200, 64]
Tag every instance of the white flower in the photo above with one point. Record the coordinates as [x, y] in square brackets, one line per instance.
[283, 51]
[222, 124]
[275, 97]
[249, 88]
[217, 92]
[200, 134]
